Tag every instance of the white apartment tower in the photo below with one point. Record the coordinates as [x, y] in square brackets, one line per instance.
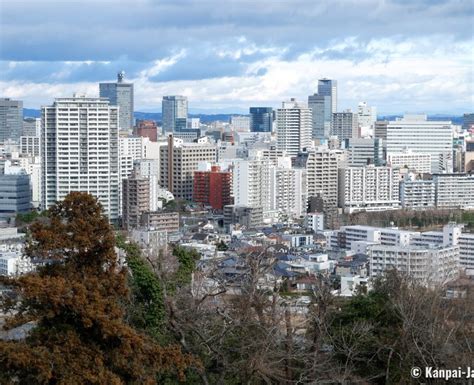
[294, 127]
[80, 152]
[321, 166]
[368, 189]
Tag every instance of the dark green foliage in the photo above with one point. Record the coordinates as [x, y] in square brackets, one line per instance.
[186, 265]
[221, 246]
[148, 310]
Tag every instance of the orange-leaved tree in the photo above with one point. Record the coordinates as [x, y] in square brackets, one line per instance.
[76, 303]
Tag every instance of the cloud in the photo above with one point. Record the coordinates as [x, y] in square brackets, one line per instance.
[397, 54]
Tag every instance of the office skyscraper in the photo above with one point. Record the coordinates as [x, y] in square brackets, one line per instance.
[80, 152]
[11, 119]
[261, 119]
[174, 113]
[327, 87]
[323, 104]
[120, 94]
[293, 127]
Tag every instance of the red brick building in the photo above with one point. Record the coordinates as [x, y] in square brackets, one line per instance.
[213, 188]
[147, 129]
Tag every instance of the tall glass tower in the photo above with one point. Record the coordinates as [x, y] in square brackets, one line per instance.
[120, 94]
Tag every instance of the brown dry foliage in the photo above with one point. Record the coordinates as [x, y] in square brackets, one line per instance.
[77, 303]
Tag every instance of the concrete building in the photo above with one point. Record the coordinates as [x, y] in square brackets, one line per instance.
[454, 191]
[290, 190]
[15, 195]
[135, 199]
[252, 185]
[249, 217]
[120, 94]
[314, 221]
[80, 151]
[147, 129]
[161, 221]
[417, 162]
[429, 266]
[416, 133]
[11, 119]
[322, 167]
[240, 123]
[30, 145]
[174, 113]
[261, 119]
[345, 125]
[380, 129]
[417, 194]
[213, 187]
[362, 152]
[31, 127]
[366, 115]
[14, 263]
[368, 189]
[293, 128]
[178, 161]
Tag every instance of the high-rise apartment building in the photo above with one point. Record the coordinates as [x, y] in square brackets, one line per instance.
[80, 151]
[213, 188]
[135, 199]
[30, 145]
[293, 127]
[368, 189]
[174, 113]
[11, 119]
[120, 94]
[344, 125]
[178, 161]
[416, 133]
[261, 119]
[322, 167]
[418, 162]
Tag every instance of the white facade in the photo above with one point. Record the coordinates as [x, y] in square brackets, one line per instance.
[80, 151]
[454, 191]
[417, 193]
[13, 263]
[30, 145]
[418, 162]
[432, 265]
[322, 167]
[240, 123]
[252, 185]
[368, 189]
[290, 190]
[367, 116]
[314, 221]
[294, 127]
[416, 133]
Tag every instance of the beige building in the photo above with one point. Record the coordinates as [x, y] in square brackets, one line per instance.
[136, 199]
[178, 161]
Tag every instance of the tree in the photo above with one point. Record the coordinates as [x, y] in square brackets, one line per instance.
[77, 303]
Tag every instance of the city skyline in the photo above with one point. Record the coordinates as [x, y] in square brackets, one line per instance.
[398, 56]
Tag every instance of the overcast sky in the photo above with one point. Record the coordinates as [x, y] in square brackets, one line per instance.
[399, 55]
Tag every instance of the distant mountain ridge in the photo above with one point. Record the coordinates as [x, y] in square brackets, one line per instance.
[207, 118]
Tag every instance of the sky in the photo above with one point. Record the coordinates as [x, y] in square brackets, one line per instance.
[398, 55]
